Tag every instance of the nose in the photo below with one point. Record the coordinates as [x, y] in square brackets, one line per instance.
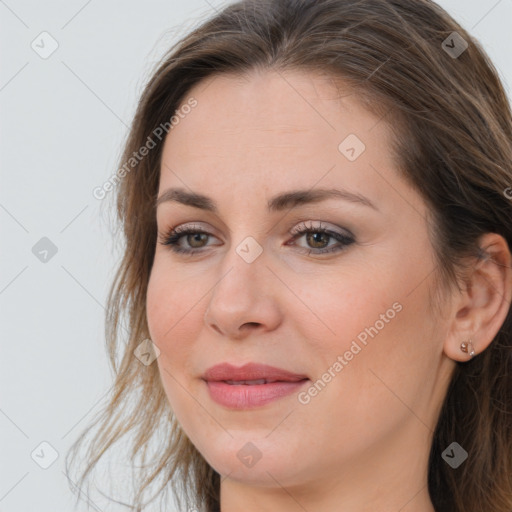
[245, 298]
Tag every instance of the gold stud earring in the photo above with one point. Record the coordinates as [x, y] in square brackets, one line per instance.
[467, 347]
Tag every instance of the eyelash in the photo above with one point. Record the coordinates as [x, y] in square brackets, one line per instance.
[172, 237]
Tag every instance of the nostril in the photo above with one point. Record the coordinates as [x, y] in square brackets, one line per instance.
[249, 326]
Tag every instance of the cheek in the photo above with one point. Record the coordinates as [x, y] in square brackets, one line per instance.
[159, 305]
[164, 309]
[174, 314]
[159, 309]
[173, 320]
[170, 302]
[387, 343]
[376, 324]
[335, 309]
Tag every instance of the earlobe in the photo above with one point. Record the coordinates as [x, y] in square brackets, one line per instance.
[483, 306]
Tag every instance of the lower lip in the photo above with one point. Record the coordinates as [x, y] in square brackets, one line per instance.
[245, 396]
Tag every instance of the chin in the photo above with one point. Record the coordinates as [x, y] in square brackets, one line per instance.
[256, 461]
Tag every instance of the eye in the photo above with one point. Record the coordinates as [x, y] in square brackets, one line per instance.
[195, 237]
[317, 236]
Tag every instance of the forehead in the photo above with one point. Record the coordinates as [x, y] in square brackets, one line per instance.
[269, 103]
[266, 129]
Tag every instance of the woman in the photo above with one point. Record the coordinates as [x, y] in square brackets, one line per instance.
[315, 200]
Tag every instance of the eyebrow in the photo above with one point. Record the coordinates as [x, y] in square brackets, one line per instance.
[276, 204]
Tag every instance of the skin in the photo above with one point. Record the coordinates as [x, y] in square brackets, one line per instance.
[362, 443]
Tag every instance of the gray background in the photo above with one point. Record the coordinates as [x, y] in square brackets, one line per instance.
[63, 121]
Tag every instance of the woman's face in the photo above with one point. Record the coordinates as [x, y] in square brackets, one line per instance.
[347, 310]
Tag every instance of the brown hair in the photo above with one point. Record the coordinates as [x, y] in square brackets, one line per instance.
[453, 131]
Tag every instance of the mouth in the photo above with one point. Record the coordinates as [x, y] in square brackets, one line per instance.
[249, 386]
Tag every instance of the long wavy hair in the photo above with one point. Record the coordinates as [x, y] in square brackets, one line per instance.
[452, 127]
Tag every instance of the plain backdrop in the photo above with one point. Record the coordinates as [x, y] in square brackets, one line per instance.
[63, 118]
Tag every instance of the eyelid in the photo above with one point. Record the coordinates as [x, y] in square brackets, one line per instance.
[322, 225]
[296, 223]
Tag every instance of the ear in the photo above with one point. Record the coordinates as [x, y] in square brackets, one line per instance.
[481, 309]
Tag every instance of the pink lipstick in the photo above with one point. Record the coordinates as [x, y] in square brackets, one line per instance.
[251, 385]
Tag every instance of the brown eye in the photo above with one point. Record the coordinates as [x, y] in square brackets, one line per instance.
[196, 238]
[318, 239]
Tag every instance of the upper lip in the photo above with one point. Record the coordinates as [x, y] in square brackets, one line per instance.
[250, 371]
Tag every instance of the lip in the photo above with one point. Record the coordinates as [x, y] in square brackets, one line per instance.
[250, 371]
[244, 396]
